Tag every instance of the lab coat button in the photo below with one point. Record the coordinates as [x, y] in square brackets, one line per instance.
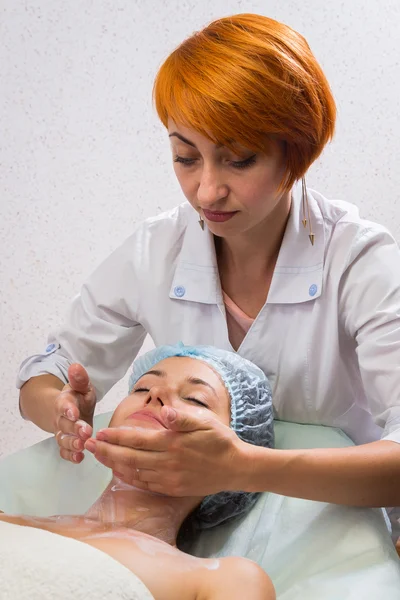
[179, 291]
[313, 290]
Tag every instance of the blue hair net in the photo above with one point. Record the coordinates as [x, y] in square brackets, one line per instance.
[251, 416]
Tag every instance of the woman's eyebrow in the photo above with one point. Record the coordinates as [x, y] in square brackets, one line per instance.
[183, 139]
[186, 141]
[197, 381]
[192, 380]
[156, 372]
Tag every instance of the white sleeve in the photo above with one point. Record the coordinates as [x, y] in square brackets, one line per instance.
[101, 331]
[369, 306]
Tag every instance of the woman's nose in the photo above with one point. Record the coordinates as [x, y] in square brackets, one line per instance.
[157, 396]
[211, 188]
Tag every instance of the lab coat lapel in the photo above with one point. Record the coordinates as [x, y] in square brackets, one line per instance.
[298, 272]
[196, 277]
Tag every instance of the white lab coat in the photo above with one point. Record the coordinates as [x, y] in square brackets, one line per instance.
[328, 336]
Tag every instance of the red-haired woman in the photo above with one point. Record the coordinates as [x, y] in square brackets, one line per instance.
[254, 261]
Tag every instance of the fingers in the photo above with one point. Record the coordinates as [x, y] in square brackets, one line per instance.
[81, 388]
[68, 421]
[74, 414]
[79, 428]
[87, 404]
[66, 426]
[156, 441]
[146, 479]
[75, 457]
[78, 378]
[183, 422]
[141, 478]
[146, 470]
[116, 456]
[71, 438]
[147, 486]
[67, 404]
[69, 441]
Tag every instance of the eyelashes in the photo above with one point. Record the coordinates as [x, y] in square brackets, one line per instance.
[236, 164]
[189, 398]
[184, 161]
[243, 164]
[198, 402]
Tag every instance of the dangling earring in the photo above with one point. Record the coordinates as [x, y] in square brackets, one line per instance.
[306, 210]
[201, 222]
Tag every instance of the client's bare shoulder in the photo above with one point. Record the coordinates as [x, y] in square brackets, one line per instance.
[167, 572]
[237, 578]
[170, 574]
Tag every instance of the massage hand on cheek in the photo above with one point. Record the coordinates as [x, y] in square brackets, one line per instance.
[179, 456]
[176, 460]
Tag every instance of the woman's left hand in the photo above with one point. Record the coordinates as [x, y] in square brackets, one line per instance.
[192, 457]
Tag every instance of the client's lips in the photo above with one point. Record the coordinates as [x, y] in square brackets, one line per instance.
[146, 415]
[218, 216]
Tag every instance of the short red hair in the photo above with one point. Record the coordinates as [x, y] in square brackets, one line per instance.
[245, 78]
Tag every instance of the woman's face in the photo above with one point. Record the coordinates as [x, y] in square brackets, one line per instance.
[233, 191]
[186, 384]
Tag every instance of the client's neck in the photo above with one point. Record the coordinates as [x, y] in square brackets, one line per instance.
[154, 514]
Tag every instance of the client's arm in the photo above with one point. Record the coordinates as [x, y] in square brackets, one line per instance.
[236, 579]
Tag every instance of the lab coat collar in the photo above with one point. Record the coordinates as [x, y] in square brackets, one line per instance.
[298, 272]
[196, 277]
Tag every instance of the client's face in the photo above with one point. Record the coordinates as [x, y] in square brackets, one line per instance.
[187, 384]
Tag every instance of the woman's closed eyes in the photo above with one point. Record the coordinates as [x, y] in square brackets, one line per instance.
[236, 164]
[187, 398]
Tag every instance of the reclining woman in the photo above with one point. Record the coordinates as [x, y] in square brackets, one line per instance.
[142, 530]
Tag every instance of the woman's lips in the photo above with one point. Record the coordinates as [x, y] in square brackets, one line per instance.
[146, 416]
[217, 216]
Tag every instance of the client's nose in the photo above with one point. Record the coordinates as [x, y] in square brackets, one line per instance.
[157, 395]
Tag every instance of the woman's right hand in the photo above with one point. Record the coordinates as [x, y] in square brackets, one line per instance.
[75, 406]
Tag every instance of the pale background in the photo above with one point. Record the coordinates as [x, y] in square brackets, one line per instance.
[83, 157]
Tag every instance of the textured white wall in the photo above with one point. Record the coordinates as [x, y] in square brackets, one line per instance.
[83, 156]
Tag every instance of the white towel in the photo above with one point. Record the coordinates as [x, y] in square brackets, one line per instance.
[39, 565]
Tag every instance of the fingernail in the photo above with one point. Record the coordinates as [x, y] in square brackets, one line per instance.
[77, 444]
[171, 414]
[119, 475]
[101, 436]
[90, 445]
[83, 431]
[70, 415]
[75, 371]
[75, 457]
